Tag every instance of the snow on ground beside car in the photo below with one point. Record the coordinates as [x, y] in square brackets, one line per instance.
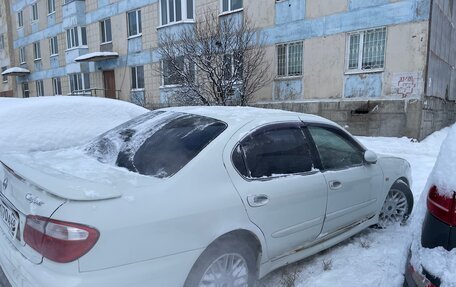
[438, 261]
[56, 122]
[373, 257]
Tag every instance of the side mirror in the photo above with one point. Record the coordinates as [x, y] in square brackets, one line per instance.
[370, 156]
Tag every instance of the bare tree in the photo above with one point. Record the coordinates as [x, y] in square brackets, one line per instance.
[216, 61]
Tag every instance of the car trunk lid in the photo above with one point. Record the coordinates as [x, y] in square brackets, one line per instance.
[32, 185]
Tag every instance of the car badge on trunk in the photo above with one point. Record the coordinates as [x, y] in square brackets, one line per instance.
[5, 183]
[33, 199]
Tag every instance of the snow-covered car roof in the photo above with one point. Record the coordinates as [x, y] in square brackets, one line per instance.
[233, 115]
[46, 123]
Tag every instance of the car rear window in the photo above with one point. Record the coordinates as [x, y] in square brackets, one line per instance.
[158, 143]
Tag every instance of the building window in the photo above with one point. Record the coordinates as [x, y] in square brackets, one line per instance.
[39, 88]
[231, 5]
[289, 59]
[366, 50]
[172, 73]
[20, 19]
[106, 35]
[57, 86]
[233, 64]
[79, 83]
[22, 55]
[134, 23]
[76, 37]
[4, 78]
[2, 41]
[37, 51]
[25, 90]
[137, 77]
[35, 11]
[51, 6]
[54, 47]
[172, 11]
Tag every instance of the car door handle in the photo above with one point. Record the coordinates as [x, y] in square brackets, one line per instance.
[257, 200]
[335, 184]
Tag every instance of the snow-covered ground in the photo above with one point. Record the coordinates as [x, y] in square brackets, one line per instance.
[374, 257]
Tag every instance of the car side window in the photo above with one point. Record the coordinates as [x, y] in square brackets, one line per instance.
[272, 151]
[335, 150]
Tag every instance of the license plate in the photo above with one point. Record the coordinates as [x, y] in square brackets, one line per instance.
[9, 219]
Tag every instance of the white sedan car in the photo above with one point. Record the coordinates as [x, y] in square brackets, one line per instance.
[198, 196]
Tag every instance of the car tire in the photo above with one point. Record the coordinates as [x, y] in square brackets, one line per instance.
[228, 250]
[397, 206]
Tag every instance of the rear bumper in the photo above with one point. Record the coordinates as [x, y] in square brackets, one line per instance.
[166, 271]
[414, 278]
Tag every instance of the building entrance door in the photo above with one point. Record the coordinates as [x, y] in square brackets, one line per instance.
[109, 80]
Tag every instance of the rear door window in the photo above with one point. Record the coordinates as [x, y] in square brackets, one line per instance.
[275, 150]
[336, 150]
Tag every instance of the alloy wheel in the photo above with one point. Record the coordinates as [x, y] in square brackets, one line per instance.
[229, 270]
[394, 208]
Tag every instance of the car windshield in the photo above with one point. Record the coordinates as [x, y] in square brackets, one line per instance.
[158, 143]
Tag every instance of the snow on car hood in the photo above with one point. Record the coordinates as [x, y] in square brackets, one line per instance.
[71, 174]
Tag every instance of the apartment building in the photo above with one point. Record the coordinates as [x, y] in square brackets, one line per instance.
[383, 67]
[7, 84]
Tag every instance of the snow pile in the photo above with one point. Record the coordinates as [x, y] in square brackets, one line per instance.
[443, 174]
[47, 123]
[107, 55]
[15, 70]
[438, 261]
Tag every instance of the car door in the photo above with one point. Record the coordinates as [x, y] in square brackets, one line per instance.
[353, 185]
[272, 169]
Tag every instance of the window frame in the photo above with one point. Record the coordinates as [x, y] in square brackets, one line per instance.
[186, 66]
[359, 68]
[81, 79]
[282, 124]
[138, 23]
[229, 10]
[57, 86]
[35, 13]
[39, 88]
[51, 6]
[136, 83]
[20, 19]
[76, 37]
[287, 62]
[36, 51]
[104, 30]
[184, 12]
[22, 56]
[53, 46]
[4, 77]
[344, 135]
[24, 90]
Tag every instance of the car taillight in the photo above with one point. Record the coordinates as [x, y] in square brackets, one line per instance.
[442, 206]
[59, 241]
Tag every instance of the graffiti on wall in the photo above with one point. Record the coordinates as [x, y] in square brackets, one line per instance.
[406, 85]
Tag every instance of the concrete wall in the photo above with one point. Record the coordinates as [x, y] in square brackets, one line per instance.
[393, 118]
[439, 106]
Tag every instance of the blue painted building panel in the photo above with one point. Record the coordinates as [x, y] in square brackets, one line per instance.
[363, 85]
[288, 89]
[359, 4]
[289, 11]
